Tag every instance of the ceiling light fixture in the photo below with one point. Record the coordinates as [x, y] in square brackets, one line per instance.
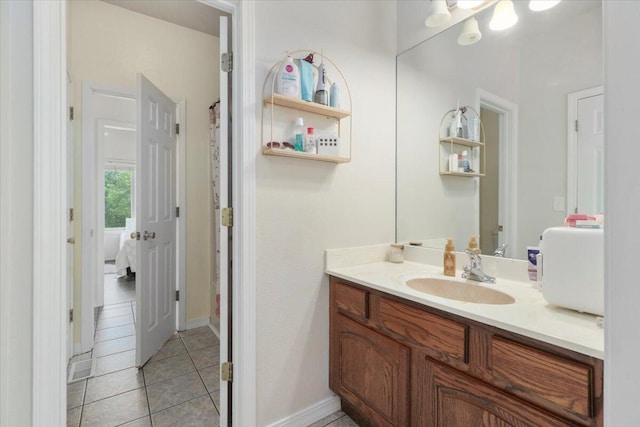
[470, 32]
[504, 16]
[440, 14]
[540, 5]
[469, 4]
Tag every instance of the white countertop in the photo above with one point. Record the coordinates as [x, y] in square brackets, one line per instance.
[530, 315]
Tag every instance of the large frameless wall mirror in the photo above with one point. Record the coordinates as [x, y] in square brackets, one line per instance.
[530, 83]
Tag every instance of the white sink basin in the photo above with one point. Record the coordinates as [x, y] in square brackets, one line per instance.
[459, 291]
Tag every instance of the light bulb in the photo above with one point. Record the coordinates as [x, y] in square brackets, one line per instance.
[470, 32]
[540, 5]
[504, 16]
[440, 14]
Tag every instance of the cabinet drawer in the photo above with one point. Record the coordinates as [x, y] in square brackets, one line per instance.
[547, 380]
[441, 338]
[350, 300]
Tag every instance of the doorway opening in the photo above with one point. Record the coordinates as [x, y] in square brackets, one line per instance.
[115, 172]
[498, 189]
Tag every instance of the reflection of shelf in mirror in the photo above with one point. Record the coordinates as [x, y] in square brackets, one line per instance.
[465, 174]
[461, 141]
[310, 107]
[300, 155]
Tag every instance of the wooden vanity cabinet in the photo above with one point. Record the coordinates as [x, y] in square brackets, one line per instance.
[446, 397]
[394, 362]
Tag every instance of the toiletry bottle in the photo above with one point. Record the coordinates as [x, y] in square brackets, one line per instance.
[449, 258]
[299, 145]
[334, 95]
[466, 167]
[322, 95]
[473, 245]
[310, 142]
[453, 126]
[288, 79]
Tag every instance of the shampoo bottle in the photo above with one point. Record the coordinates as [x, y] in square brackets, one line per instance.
[449, 259]
[288, 79]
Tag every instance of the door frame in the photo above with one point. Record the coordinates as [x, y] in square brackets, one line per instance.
[91, 156]
[572, 143]
[508, 179]
[49, 287]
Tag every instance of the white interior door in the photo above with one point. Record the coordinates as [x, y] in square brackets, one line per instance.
[590, 186]
[155, 219]
[225, 280]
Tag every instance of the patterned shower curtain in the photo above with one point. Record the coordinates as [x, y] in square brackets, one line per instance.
[214, 148]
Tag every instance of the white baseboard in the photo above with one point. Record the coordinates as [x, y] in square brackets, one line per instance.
[310, 414]
[197, 323]
[215, 330]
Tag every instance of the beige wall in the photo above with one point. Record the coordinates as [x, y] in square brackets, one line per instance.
[109, 45]
[305, 207]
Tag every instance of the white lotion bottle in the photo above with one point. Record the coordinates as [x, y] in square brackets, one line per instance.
[288, 79]
[334, 96]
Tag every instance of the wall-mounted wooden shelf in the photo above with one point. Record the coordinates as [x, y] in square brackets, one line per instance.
[461, 141]
[465, 174]
[301, 155]
[453, 144]
[310, 107]
[330, 120]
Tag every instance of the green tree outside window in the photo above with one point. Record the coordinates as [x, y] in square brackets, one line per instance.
[117, 198]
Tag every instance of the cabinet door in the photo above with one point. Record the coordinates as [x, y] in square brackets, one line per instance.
[448, 398]
[370, 372]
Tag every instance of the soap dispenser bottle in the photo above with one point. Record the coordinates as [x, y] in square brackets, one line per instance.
[473, 245]
[449, 259]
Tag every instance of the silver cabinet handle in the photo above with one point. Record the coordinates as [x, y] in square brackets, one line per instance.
[148, 235]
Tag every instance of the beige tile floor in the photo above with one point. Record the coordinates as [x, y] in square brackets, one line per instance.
[178, 386]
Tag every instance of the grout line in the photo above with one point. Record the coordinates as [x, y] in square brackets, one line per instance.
[113, 395]
[146, 393]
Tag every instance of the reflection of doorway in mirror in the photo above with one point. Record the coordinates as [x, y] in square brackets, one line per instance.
[499, 184]
[591, 155]
[490, 183]
[585, 154]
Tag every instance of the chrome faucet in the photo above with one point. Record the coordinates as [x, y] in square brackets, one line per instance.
[473, 271]
[501, 250]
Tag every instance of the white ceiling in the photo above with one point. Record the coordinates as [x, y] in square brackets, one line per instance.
[186, 13]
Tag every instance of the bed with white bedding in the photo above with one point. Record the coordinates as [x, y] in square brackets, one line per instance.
[126, 257]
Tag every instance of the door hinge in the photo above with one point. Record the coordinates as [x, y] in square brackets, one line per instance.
[226, 62]
[226, 371]
[177, 211]
[227, 217]
[576, 126]
[177, 128]
[137, 235]
[71, 113]
[177, 295]
[71, 315]
[70, 214]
